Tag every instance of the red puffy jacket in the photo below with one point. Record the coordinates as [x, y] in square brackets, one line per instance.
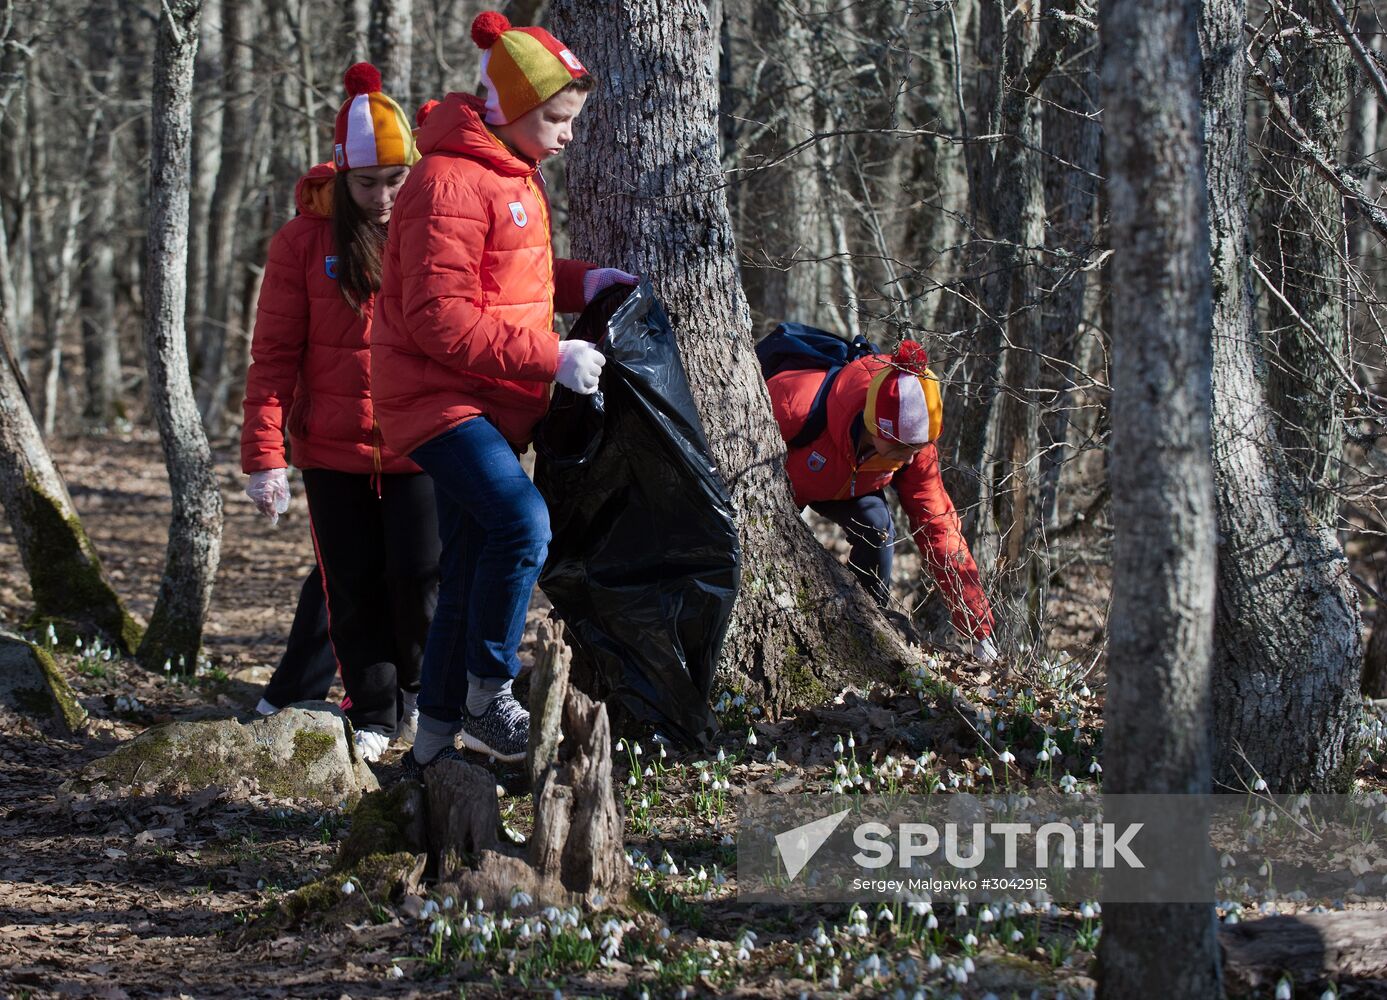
[311, 355]
[468, 288]
[828, 468]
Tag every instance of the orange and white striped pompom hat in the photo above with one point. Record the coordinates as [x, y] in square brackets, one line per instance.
[371, 129]
[521, 67]
[903, 401]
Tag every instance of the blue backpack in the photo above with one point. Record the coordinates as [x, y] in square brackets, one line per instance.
[795, 347]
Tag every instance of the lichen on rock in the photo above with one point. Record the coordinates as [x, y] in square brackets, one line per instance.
[32, 686]
[297, 753]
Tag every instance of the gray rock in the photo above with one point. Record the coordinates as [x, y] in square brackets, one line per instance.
[31, 686]
[297, 753]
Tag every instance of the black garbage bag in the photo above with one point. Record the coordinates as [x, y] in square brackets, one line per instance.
[644, 562]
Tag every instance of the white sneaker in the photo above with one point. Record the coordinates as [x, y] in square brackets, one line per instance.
[409, 728]
[265, 708]
[371, 745]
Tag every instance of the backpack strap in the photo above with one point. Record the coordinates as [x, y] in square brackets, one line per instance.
[817, 420]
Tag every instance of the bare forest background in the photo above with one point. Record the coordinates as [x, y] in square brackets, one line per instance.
[924, 170]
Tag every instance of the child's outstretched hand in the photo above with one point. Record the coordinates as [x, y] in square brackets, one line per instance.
[580, 366]
[599, 279]
[270, 492]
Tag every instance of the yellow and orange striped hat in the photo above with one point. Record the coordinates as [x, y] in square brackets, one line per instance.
[903, 401]
[371, 129]
[521, 67]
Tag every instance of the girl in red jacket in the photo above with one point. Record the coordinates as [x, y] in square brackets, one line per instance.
[463, 361]
[884, 414]
[371, 509]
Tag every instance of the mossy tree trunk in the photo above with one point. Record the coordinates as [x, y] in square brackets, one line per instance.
[69, 586]
[646, 190]
[175, 628]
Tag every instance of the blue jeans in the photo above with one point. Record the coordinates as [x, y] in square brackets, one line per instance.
[493, 528]
[867, 522]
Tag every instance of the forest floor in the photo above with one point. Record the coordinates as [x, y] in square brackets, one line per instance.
[168, 896]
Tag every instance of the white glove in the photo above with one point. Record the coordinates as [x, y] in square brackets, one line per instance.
[985, 650]
[270, 492]
[599, 279]
[580, 366]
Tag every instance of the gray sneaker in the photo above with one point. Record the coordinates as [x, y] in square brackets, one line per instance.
[503, 730]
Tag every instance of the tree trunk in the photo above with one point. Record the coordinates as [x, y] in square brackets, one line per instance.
[210, 95]
[780, 221]
[69, 586]
[645, 184]
[1287, 647]
[1073, 137]
[392, 43]
[1161, 623]
[222, 322]
[175, 628]
[1304, 244]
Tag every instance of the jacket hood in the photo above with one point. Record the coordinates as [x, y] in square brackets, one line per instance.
[456, 126]
[313, 193]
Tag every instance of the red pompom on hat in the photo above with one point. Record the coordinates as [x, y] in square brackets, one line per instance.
[488, 27]
[362, 78]
[425, 109]
[912, 356]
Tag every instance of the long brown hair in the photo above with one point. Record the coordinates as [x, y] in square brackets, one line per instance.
[359, 242]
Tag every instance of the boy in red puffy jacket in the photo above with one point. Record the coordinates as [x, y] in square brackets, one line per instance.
[884, 415]
[464, 359]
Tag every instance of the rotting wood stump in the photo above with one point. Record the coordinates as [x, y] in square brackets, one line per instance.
[577, 853]
[1346, 947]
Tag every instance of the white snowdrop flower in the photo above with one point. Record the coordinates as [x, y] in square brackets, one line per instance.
[649, 772]
[919, 907]
[478, 905]
[1017, 936]
[1329, 995]
[961, 910]
[673, 868]
[852, 742]
[986, 915]
[1227, 861]
[449, 902]
[631, 781]
[1094, 767]
[969, 967]
[1260, 785]
[771, 758]
[722, 755]
[971, 940]
[1283, 990]
[885, 914]
[664, 933]
[396, 972]
[841, 770]
[520, 898]
[1086, 911]
[584, 934]
[838, 747]
[985, 771]
[704, 777]
[637, 750]
[429, 909]
[834, 975]
[932, 923]
[663, 753]
[1043, 756]
[935, 963]
[727, 840]
[820, 938]
[751, 737]
[348, 888]
[1084, 692]
[1007, 757]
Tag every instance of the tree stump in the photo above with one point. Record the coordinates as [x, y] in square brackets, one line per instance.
[1310, 947]
[576, 855]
